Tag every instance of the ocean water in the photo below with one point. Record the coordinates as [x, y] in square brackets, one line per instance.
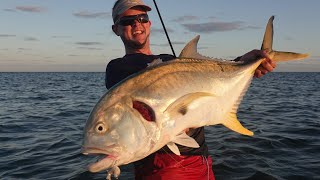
[42, 116]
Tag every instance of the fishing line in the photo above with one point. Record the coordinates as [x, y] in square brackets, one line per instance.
[164, 28]
[208, 171]
[179, 163]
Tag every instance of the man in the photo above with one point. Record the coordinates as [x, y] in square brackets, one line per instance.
[132, 24]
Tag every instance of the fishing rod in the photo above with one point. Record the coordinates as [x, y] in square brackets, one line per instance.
[164, 28]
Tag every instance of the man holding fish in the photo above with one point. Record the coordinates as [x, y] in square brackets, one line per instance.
[132, 24]
[156, 107]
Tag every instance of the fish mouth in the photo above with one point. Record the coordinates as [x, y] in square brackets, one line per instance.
[107, 161]
[93, 151]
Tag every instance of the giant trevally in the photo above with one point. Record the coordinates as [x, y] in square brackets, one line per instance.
[188, 92]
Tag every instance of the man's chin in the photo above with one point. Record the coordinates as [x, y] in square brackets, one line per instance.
[137, 44]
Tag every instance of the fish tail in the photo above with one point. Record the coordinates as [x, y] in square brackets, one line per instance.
[277, 55]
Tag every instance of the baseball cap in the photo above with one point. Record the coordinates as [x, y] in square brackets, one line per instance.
[120, 6]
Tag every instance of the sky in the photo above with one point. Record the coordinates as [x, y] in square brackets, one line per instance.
[76, 35]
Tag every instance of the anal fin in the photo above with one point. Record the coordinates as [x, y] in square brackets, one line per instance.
[233, 123]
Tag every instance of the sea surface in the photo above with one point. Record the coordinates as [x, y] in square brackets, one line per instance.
[42, 116]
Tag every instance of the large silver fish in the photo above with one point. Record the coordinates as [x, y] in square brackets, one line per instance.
[188, 92]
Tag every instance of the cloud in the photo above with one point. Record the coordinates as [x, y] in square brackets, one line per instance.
[9, 10]
[74, 55]
[86, 14]
[179, 42]
[251, 27]
[7, 35]
[211, 27]
[185, 19]
[160, 30]
[61, 36]
[88, 43]
[33, 9]
[212, 18]
[90, 48]
[167, 44]
[24, 49]
[30, 39]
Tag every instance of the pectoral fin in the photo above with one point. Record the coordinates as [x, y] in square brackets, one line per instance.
[180, 106]
[185, 140]
[174, 148]
[233, 123]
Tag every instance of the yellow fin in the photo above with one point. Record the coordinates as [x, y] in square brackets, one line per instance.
[233, 123]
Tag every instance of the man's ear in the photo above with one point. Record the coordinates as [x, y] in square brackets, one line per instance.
[115, 29]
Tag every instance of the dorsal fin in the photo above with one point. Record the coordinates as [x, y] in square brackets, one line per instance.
[190, 50]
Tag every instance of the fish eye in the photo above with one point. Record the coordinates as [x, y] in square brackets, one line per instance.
[101, 128]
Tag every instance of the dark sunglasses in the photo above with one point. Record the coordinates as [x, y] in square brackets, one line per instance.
[129, 20]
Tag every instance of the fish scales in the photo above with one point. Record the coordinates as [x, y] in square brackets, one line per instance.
[189, 92]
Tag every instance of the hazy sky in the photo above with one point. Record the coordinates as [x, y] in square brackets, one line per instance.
[75, 35]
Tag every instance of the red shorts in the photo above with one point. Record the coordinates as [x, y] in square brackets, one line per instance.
[171, 167]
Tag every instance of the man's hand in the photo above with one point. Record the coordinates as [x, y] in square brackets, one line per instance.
[266, 66]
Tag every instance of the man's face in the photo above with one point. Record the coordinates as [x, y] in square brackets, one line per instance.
[136, 35]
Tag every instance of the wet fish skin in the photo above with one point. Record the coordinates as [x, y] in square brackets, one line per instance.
[188, 92]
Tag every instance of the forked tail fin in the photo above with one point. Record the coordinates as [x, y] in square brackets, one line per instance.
[277, 55]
